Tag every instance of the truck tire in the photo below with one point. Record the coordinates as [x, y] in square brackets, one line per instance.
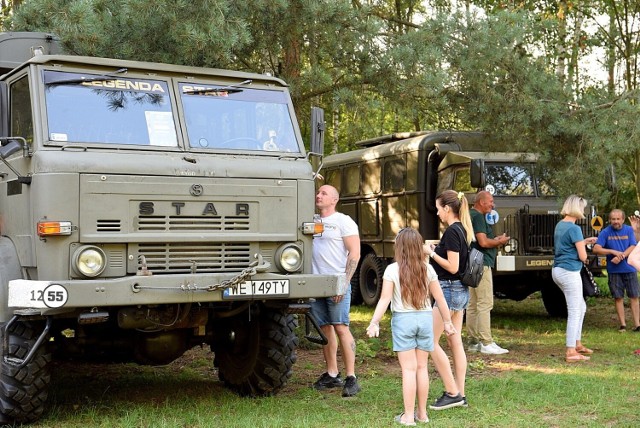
[257, 355]
[371, 271]
[23, 392]
[553, 299]
[356, 297]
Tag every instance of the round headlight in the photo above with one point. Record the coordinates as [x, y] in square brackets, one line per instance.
[89, 261]
[289, 258]
[511, 246]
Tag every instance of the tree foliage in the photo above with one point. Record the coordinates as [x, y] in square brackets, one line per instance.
[515, 70]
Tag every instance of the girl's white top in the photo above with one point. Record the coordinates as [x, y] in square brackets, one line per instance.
[392, 273]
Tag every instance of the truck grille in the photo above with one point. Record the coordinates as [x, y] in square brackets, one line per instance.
[538, 230]
[190, 224]
[205, 257]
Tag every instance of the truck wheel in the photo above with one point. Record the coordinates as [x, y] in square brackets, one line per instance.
[371, 271]
[23, 392]
[256, 356]
[356, 297]
[553, 299]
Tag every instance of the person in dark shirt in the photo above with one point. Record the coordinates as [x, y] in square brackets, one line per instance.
[448, 257]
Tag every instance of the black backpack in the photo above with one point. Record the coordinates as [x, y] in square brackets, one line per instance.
[472, 272]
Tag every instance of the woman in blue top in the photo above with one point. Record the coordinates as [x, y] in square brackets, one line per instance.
[570, 254]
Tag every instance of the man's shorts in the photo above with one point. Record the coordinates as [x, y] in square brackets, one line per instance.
[619, 282]
[412, 330]
[456, 294]
[326, 311]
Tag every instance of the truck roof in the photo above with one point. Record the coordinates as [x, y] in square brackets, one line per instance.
[93, 63]
[460, 157]
[407, 142]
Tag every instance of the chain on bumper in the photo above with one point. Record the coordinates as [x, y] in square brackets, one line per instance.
[254, 267]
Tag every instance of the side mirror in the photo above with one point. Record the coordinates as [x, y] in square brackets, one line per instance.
[317, 130]
[476, 173]
[9, 147]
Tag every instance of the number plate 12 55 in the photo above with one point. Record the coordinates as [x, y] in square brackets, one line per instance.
[279, 287]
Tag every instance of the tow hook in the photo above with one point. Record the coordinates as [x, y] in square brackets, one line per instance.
[18, 362]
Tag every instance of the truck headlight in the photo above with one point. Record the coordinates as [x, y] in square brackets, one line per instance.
[289, 258]
[89, 261]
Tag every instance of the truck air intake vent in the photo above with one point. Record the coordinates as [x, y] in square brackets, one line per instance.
[190, 224]
[108, 226]
[206, 257]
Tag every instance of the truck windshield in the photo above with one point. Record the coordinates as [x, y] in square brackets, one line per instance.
[241, 118]
[516, 180]
[509, 180]
[116, 110]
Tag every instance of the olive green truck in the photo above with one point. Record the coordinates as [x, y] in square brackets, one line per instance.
[146, 209]
[392, 181]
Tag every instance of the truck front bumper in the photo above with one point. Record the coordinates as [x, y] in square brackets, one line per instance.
[54, 296]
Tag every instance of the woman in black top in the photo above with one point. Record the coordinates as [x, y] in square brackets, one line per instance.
[448, 257]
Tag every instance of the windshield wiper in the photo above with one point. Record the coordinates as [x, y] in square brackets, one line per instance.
[231, 89]
[100, 78]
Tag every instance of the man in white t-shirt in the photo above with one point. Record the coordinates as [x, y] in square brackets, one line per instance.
[336, 251]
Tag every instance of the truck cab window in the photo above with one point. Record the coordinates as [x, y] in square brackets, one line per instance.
[509, 180]
[237, 118]
[84, 109]
[20, 102]
[462, 181]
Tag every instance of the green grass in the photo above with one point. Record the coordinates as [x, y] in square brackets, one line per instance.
[531, 386]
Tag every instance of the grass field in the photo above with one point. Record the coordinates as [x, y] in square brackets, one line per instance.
[531, 386]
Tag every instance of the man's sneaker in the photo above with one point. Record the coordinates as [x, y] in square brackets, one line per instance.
[447, 401]
[492, 348]
[351, 386]
[474, 347]
[464, 401]
[326, 381]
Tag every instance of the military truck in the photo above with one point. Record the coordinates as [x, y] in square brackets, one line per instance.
[146, 209]
[392, 181]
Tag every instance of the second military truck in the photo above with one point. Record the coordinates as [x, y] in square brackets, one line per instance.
[392, 181]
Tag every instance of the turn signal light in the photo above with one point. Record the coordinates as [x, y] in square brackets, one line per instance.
[54, 228]
[312, 228]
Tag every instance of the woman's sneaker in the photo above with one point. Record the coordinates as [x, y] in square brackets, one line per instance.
[448, 401]
[326, 381]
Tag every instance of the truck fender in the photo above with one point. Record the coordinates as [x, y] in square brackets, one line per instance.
[9, 270]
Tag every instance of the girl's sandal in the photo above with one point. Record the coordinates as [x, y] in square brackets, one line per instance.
[584, 350]
[576, 358]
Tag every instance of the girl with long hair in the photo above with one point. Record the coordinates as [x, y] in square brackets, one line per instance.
[448, 259]
[408, 285]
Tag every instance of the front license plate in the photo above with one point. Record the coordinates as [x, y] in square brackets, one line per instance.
[279, 287]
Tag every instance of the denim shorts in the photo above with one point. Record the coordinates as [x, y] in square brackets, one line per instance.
[456, 294]
[412, 330]
[619, 282]
[326, 311]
